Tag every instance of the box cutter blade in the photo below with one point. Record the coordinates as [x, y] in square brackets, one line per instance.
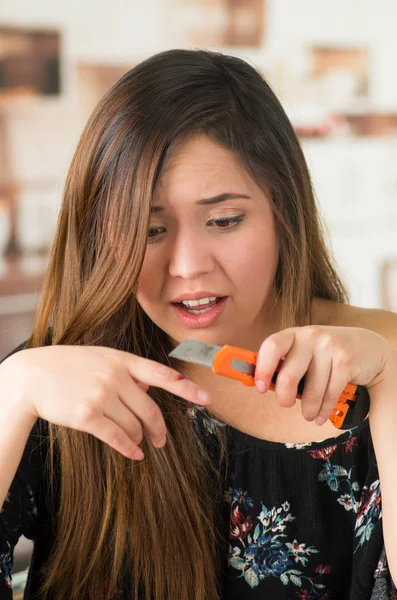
[350, 410]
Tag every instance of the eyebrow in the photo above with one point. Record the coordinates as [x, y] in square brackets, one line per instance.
[204, 201]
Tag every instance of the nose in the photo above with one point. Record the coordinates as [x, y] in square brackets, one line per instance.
[190, 256]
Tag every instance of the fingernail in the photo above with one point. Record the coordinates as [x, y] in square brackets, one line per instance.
[203, 397]
[260, 385]
[138, 455]
[320, 420]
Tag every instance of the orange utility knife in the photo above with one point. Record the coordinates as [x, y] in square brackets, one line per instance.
[237, 363]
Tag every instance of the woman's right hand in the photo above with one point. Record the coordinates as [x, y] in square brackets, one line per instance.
[95, 389]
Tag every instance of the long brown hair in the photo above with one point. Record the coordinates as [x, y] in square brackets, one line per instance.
[156, 522]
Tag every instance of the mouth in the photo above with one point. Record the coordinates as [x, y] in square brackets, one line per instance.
[200, 313]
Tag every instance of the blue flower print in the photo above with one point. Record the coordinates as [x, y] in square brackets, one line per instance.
[330, 474]
[267, 557]
[366, 502]
[242, 498]
[6, 567]
[369, 513]
[262, 552]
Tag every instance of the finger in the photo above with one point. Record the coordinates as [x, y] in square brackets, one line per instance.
[122, 415]
[291, 372]
[144, 387]
[271, 351]
[107, 431]
[155, 374]
[140, 406]
[315, 387]
[336, 384]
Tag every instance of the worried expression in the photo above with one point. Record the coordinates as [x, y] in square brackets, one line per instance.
[212, 253]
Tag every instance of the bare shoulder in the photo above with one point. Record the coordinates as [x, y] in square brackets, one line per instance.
[328, 312]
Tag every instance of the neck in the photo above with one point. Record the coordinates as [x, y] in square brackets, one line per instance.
[257, 414]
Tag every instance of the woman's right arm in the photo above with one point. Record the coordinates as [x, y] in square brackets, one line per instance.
[95, 389]
[15, 427]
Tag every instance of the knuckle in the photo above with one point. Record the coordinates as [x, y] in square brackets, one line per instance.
[269, 346]
[164, 372]
[327, 342]
[137, 435]
[109, 375]
[118, 439]
[153, 412]
[312, 332]
[86, 413]
[287, 379]
[343, 359]
[98, 396]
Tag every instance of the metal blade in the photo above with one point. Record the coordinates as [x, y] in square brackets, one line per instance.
[196, 352]
[242, 366]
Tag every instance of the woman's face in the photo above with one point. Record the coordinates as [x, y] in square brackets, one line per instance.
[212, 238]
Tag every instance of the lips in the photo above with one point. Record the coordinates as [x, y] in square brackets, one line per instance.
[209, 317]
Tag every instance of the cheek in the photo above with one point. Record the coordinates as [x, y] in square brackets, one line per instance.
[254, 261]
[149, 283]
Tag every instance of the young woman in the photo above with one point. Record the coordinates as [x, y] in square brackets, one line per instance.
[141, 477]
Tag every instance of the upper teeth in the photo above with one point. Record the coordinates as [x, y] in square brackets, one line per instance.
[200, 301]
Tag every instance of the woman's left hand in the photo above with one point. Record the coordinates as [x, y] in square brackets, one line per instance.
[328, 357]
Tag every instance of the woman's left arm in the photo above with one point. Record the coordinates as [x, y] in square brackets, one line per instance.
[383, 412]
[383, 418]
[383, 424]
[357, 346]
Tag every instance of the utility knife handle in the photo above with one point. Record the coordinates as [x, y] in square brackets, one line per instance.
[222, 363]
[350, 410]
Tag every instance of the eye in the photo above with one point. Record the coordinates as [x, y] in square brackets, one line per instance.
[227, 223]
[154, 233]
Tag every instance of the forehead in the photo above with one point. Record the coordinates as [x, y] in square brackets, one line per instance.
[199, 166]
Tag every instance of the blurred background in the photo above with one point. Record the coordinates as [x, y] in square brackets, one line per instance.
[331, 64]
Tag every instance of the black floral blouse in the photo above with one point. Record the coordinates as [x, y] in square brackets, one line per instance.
[301, 521]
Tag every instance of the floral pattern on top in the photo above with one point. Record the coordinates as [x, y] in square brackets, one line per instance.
[263, 545]
[259, 548]
[365, 502]
[206, 419]
[370, 512]
[6, 567]
[6, 558]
